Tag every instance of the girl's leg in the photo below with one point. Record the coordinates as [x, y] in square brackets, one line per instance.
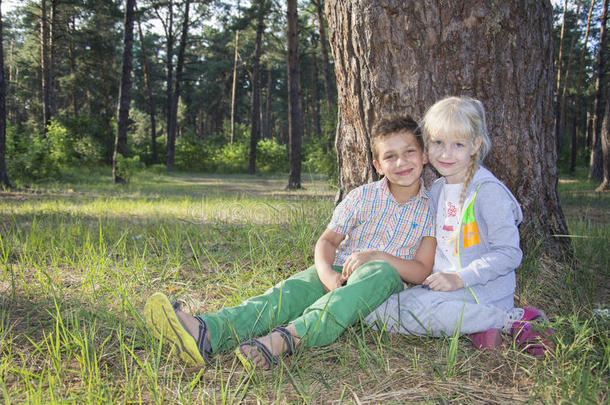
[258, 315]
[422, 312]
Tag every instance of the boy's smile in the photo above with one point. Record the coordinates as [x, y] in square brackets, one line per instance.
[401, 160]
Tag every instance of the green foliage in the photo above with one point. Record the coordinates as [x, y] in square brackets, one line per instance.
[28, 156]
[320, 161]
[126, 167]
[271, 157]
[75, 141]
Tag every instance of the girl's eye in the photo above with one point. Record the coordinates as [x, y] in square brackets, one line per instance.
[437, 142]
[459, 145]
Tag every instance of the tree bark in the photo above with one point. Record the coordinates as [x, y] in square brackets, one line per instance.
[398, 57]
[314, 89]
[255, 129]
[150, 100]
[120, 144]
[605, 140]
[596, 162]
[169, 35]
[71, 23]
[295, 124]
[44, 64]
[579, 101]
[4, 180]
[325, 61]
[559, 66]
[173, 120]
[234, 85]
[562, 101]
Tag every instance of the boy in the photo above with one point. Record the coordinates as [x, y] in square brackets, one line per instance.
[381, 235]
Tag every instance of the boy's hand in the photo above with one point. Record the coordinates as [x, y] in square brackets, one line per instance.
[443, 282]
[357, 259]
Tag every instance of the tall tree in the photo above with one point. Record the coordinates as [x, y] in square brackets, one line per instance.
[605, 135]
[404, 57]
[4, 181]
[150, 100]
[295, 125]
[255, 129]
[234, 85]
[559, 68]
[596, 162]
[175, 95]
[120, 144]
[579, 102]
[325, 61]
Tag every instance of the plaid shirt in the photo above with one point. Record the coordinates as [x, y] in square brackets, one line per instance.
[372, 219]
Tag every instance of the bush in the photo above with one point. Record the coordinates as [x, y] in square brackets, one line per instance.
[271, 157]
[320, 161]
[126, 167]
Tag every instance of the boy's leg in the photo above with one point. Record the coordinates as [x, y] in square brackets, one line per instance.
[422, 312]
[325, 319]
[258, 315]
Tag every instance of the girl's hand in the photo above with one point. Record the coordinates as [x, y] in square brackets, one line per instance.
[443, 282]
[357, 259]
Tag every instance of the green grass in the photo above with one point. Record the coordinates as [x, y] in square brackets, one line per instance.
[79, 257]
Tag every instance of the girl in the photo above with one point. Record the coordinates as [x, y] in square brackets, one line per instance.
[473, 279]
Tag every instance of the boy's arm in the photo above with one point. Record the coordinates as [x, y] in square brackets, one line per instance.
[412, 271]
[324, 255]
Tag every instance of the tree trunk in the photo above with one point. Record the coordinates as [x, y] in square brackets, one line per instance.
[150, 101]
[399, 57]
[51, 69]
[255, 128]
[4, 181]
[314, 90]
[295, 124]
[171, 130]
[578, 111]
[267, 119]
[120, 144]
[234, 85]
[44, 64]
[596, 163]
[605, 140]
[71, 31]
[559, 66]
[169, 34]
[325, 62]
[562, 101]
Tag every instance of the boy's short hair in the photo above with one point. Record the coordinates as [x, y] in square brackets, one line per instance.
[391, 125]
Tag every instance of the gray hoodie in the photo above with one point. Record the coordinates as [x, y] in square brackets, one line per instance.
[489, 249]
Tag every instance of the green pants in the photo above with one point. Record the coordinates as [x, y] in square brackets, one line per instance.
[319, 317]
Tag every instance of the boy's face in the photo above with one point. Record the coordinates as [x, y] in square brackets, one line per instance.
[401, 160]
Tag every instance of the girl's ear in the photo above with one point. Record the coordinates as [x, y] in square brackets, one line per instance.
[477, 145]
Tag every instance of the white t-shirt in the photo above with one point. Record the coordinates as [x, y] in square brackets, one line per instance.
[448, 218]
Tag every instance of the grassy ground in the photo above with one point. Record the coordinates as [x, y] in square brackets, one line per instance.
[78, 259]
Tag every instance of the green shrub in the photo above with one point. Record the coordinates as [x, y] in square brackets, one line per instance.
[126, 167]
[271, 157]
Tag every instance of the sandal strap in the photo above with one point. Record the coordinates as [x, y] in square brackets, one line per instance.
[288, 339]
[203, 343]
[267, 355]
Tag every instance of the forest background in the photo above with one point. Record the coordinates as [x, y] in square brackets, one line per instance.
[211, 96]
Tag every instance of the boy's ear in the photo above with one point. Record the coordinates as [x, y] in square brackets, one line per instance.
[377, 167]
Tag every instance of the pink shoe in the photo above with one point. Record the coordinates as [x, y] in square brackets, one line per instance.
[530, 336]
[487, 340]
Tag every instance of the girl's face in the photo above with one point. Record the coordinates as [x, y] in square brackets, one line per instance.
[451, 156]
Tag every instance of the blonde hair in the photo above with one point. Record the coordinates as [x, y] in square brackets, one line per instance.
[458, 118]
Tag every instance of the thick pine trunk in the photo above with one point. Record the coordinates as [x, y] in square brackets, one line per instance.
[120, 144]
[255, 129]
[401, 57]
[4, 181]
[596, 162]
[295, 125]
[150, 101]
